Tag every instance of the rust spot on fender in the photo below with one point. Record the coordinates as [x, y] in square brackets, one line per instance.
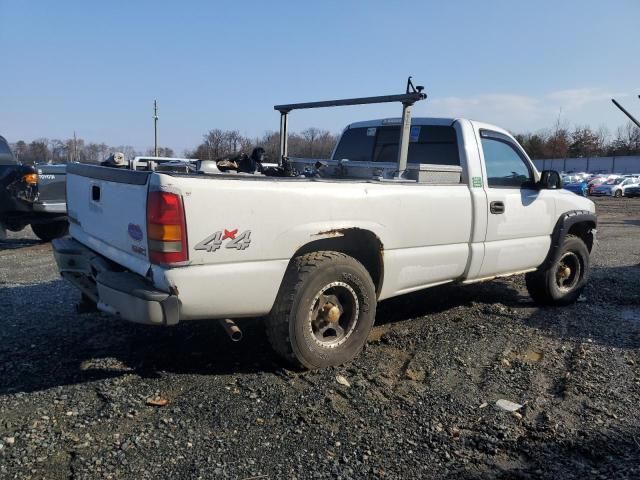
[335, 232]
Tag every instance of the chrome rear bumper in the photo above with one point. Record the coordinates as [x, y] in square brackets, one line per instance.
[120, 293]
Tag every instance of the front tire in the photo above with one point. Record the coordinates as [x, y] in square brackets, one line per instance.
[324, 311]
[561, 282]
[48, 231]
[618, 194]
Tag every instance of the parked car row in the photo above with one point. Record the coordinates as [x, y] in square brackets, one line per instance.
[603, 185]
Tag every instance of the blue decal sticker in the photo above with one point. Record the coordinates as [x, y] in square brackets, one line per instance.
[414, 134]
[135, 232]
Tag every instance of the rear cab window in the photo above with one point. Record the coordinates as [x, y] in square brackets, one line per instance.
[428, 144]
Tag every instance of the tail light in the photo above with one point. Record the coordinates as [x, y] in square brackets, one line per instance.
[166, 229]
[30, 178]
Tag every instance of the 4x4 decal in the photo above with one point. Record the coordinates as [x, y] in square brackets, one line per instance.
[215, 241]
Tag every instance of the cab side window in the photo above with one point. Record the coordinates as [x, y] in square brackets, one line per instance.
[505, 167]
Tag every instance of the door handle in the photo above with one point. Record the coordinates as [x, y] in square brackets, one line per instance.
[496, 207]
[95, 193]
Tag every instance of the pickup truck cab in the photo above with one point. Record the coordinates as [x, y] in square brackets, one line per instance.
[314, 252]
[31, 195]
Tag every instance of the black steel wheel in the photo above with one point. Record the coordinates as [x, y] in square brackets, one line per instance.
[562, 281]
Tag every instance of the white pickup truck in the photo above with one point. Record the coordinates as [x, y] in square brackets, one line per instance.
[313, 253]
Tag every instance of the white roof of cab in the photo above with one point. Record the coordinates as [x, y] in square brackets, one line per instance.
[382, 122]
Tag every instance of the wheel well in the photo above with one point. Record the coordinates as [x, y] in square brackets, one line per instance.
[583, 230]
[358, 243]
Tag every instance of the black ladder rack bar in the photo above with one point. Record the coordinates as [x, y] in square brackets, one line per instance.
[404, 98]
[411, 96]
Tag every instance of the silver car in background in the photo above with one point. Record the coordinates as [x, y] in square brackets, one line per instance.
[615, 187]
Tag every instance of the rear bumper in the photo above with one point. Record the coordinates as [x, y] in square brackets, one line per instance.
[120, 293]
[128, 295]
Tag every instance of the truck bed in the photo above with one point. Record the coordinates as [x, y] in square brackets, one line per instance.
[276, 216]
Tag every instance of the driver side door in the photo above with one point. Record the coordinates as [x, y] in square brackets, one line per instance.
[520, 217]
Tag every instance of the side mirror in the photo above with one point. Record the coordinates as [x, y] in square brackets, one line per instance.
[550, 179]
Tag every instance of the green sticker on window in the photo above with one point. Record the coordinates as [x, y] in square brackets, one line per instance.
[477, 181]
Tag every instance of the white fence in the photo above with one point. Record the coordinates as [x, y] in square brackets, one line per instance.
[628, 164]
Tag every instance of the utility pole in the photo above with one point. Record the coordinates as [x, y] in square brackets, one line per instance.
[155, 128]
[75, 148]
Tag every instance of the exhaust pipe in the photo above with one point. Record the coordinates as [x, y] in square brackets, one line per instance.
[230, 327]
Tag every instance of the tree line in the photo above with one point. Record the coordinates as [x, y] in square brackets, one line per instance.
[216, 144]
[310, 143]
[44, 150]
[558, 142]
[581, 141]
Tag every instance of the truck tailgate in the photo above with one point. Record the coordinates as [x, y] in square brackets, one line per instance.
[107, 213]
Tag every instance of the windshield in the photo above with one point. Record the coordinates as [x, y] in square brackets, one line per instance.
[430, 144]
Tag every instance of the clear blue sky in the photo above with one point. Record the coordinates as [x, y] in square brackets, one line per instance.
[95, 67]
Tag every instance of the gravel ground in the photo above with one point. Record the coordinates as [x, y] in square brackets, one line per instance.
[88, 396]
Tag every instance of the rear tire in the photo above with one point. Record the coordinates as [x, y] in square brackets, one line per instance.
[48, 231]
[324, 311]
[561, 282]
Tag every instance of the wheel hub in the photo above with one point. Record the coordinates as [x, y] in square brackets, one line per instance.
[564, 272]
[333, 314]
[568, 272]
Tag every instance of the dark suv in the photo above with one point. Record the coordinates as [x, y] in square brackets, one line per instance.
[32, 195]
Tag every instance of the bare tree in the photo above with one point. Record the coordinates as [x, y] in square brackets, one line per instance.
[162, 152]
[232, 138]
[626, 141]
[214, 141]
[245, 144]
[21, 150]
[585, 143]
[129, 152]
[39, 151]
[310, 135]
[59, 151]
[270, 141]
[92, 152]
[557, 145]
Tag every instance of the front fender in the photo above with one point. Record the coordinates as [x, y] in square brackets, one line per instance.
[561, 230]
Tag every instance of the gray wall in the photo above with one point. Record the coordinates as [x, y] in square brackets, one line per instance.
[630, 164]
